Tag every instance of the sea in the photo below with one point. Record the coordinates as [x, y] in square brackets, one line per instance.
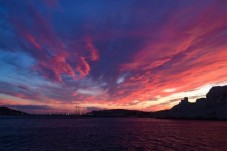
[28, 133]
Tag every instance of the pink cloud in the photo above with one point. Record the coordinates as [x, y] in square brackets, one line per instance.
[83, 67]
[54, 56]
[93, 51]
[175, 51]
[182, 58]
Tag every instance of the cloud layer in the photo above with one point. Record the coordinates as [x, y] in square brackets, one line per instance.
[110, 54]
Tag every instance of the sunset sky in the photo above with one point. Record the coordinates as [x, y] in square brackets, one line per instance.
[130, 54]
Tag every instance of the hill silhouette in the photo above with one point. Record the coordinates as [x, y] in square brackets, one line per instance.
[8, 111]
[214, 106]
[119, 113]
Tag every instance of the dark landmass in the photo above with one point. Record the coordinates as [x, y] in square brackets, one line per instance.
[8, 111]
[119, 113]
[213, 107]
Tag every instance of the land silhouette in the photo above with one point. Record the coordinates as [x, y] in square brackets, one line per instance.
[7, 111]
[213, 107]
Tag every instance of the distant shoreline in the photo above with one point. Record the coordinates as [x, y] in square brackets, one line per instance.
[213, 107]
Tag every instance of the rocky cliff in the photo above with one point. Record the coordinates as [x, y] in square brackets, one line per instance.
[214, 106]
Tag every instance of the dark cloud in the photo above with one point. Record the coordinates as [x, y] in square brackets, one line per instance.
[18, 90]
[30, 107]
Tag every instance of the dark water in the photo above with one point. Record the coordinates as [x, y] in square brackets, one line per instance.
[32, 133]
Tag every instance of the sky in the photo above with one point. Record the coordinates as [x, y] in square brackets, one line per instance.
[60, 55]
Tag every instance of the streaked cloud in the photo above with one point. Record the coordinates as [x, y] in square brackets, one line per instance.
[107, 54]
